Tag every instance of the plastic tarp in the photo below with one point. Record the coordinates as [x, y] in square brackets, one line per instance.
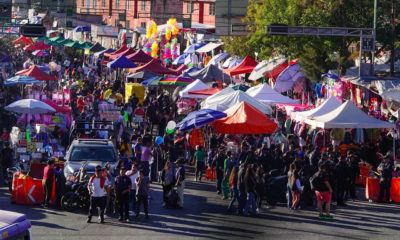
[246, 66]
[231, 62]
[153, 66]
[208, 47]
[139, 57]
[58, 108]
[218, 58]
[243, 118]
[98, 54]
[37, 46]
[135, 88]
[125, 53]
[326, 107]
[196, 85]
[229, 97]
[180, 60]
[192, 48]
[143, 75]
[288, 77]
[123, 48]
[347, 115]
[267, 67]
[265, 94]
[36, 73]
[121, 62]
[209, 74]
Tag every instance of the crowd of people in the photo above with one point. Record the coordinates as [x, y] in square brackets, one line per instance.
[316, 174]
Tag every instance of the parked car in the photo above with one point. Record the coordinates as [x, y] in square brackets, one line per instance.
[14, 226]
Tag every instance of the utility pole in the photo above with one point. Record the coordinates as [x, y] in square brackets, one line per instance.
[392, 48]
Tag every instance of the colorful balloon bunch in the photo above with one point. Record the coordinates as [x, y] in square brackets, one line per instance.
[154, 50]
[172, 29]
[151, 31]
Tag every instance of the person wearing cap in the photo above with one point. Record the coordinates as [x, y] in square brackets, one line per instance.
[48, 180]
[98, 187]
[122, 186]
[385, 169]
[180, 181]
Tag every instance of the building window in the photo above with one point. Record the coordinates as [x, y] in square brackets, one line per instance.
[116, 4]
[212, 9]
[128, 24]
[103, 3]
[83, 3]
[94, 3]
[143, 6]
[143, 24]
[128, 4]
[116, 22]
[189, 8]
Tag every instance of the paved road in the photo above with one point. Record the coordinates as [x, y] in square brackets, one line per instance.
[205, 217]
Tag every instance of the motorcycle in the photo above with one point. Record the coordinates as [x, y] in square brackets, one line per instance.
[77, 198]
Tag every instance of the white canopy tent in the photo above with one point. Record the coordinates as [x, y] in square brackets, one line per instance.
[230, 97]
[194, 86]
[265, 94]
[266, 66]
[208, 47]
[347, 115]
[328, 106]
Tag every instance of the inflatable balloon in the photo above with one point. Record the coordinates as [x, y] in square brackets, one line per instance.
[171, 125]
[169, 131]
[154, 50]
[159, 140]
[107, 94]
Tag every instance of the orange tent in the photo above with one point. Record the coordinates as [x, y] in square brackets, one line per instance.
[243, 118]
[22, 40]
[36, 73]
[246, 66]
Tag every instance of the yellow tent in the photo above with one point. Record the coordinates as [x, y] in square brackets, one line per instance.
[134, 88]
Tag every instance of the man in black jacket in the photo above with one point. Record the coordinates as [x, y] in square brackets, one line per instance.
[342, 177]
[218, 163]
[386, 169]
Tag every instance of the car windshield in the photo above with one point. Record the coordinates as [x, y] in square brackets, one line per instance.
[104, 154]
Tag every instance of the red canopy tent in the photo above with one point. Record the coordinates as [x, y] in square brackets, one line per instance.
[139, 57]
[180, 69]
[125, 53]
[37, 46]
[274, 73]
[36, 73]
[123, 48]
[246, 66]
[243, 118]
[22, 40]
[58, 108]
[153, 66]
[207, 92]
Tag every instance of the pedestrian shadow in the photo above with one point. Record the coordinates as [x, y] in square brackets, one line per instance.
[51, 225]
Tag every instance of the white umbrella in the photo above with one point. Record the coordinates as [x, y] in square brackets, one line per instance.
[29, 106]
[265, 67]
[288, 77]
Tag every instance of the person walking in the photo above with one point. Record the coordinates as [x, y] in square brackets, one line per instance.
[218, 163]
[233, 180]
[142, 192]
[342, 180]
[122, 186]
[48, 181]
[295, 187]
[323, 191]
[250, 185]
[386, 169]
[199, 159]
[180, 181]
[133, 174]
[98, 187]
[167, 181]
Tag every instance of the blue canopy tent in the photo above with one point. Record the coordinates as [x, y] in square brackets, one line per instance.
[21, 80]
[218, 58]
[180, 60]
[192, 48]
[98, 54]
[82, 29]
[121, 62]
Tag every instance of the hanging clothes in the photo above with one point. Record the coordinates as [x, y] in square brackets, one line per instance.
[359, 135]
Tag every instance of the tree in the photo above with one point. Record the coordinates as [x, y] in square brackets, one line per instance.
[314, 52]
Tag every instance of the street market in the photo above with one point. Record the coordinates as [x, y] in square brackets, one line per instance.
[93, 128]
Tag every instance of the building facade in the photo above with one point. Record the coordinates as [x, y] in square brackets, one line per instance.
[229, 16]
[136, 13]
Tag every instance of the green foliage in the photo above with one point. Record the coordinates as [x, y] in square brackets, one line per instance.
[314, 52]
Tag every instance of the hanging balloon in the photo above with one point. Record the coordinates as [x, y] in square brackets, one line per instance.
[154, 50]
[169, 131]
[171, 125]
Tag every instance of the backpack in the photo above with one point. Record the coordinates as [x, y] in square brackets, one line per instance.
[316, 182]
